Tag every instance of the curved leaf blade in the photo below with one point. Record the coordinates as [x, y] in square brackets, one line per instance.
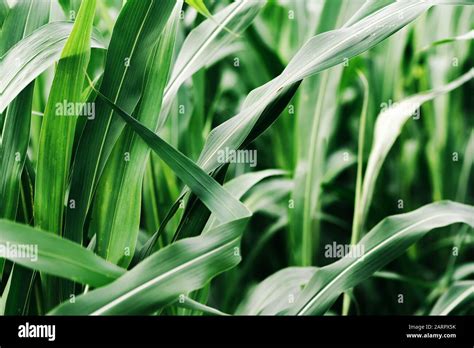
[203, 44]
[55, 255]
[386, 241]
[161, 278]
[116, 213]
[459, 293]
[57, 133]
[135, 33]
[319, 53]
[30, 57]
[277, 291]
[22, 20]
[387, 128]
[183, 266]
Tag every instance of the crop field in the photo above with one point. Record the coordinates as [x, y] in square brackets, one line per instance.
[248, 157]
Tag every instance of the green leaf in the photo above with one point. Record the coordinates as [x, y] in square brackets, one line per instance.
[204, 43]
[21, 287]
[54, 255]
[23, 18]
[464, 271]
[387, 128]
[240, 185]
[319, 53]
[336, 163]
[317, 107]
[199, 6]
[149, 246]
[385, 242]
[32, 56]
[116, 213]
[135, 33]
[28, 16]
[57, 129]
[4, 297]
[367, 9]
[69, 5]
[193, 305]
[357, 223]
[467, 36]
[182, 267]
[161, 278]
[4, 8]
[276, 292]
[16, 128]
[457, 294]
[268, 196]
[218, 200]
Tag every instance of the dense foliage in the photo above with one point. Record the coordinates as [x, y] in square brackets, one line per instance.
[299, 157]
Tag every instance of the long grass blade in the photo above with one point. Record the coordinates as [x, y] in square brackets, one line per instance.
[387, 128]
[276, 292]
[387, 240]
[135, 33]
[46, 252]
[319, 53]
[458, 294]
[32, 56]
[22, 20]
[57, 130]
[204, 43]
[116, 213]
[160, 279]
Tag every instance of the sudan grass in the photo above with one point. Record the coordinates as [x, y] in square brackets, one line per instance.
[236, 157]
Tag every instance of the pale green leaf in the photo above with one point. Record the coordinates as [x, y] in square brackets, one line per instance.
[458, 294]
[386, 241]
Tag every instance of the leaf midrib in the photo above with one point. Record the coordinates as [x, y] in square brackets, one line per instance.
[358, 260]
[209, 39]
[269, 95]
[119, 90]
[153, 281]
[53, 256]
[464, 295]
[20, 71]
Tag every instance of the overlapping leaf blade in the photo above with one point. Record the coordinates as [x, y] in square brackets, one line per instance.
[319, 53]
[116, 213]
[54, 255]
[57, 131]
[135, 33]
[459, 293]
[33, 55]
[386, 241]
[387, 128]
[22, 19]
[183, 266]
[4, 8]
[203, 44]
[277, 291]
[317, 110]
